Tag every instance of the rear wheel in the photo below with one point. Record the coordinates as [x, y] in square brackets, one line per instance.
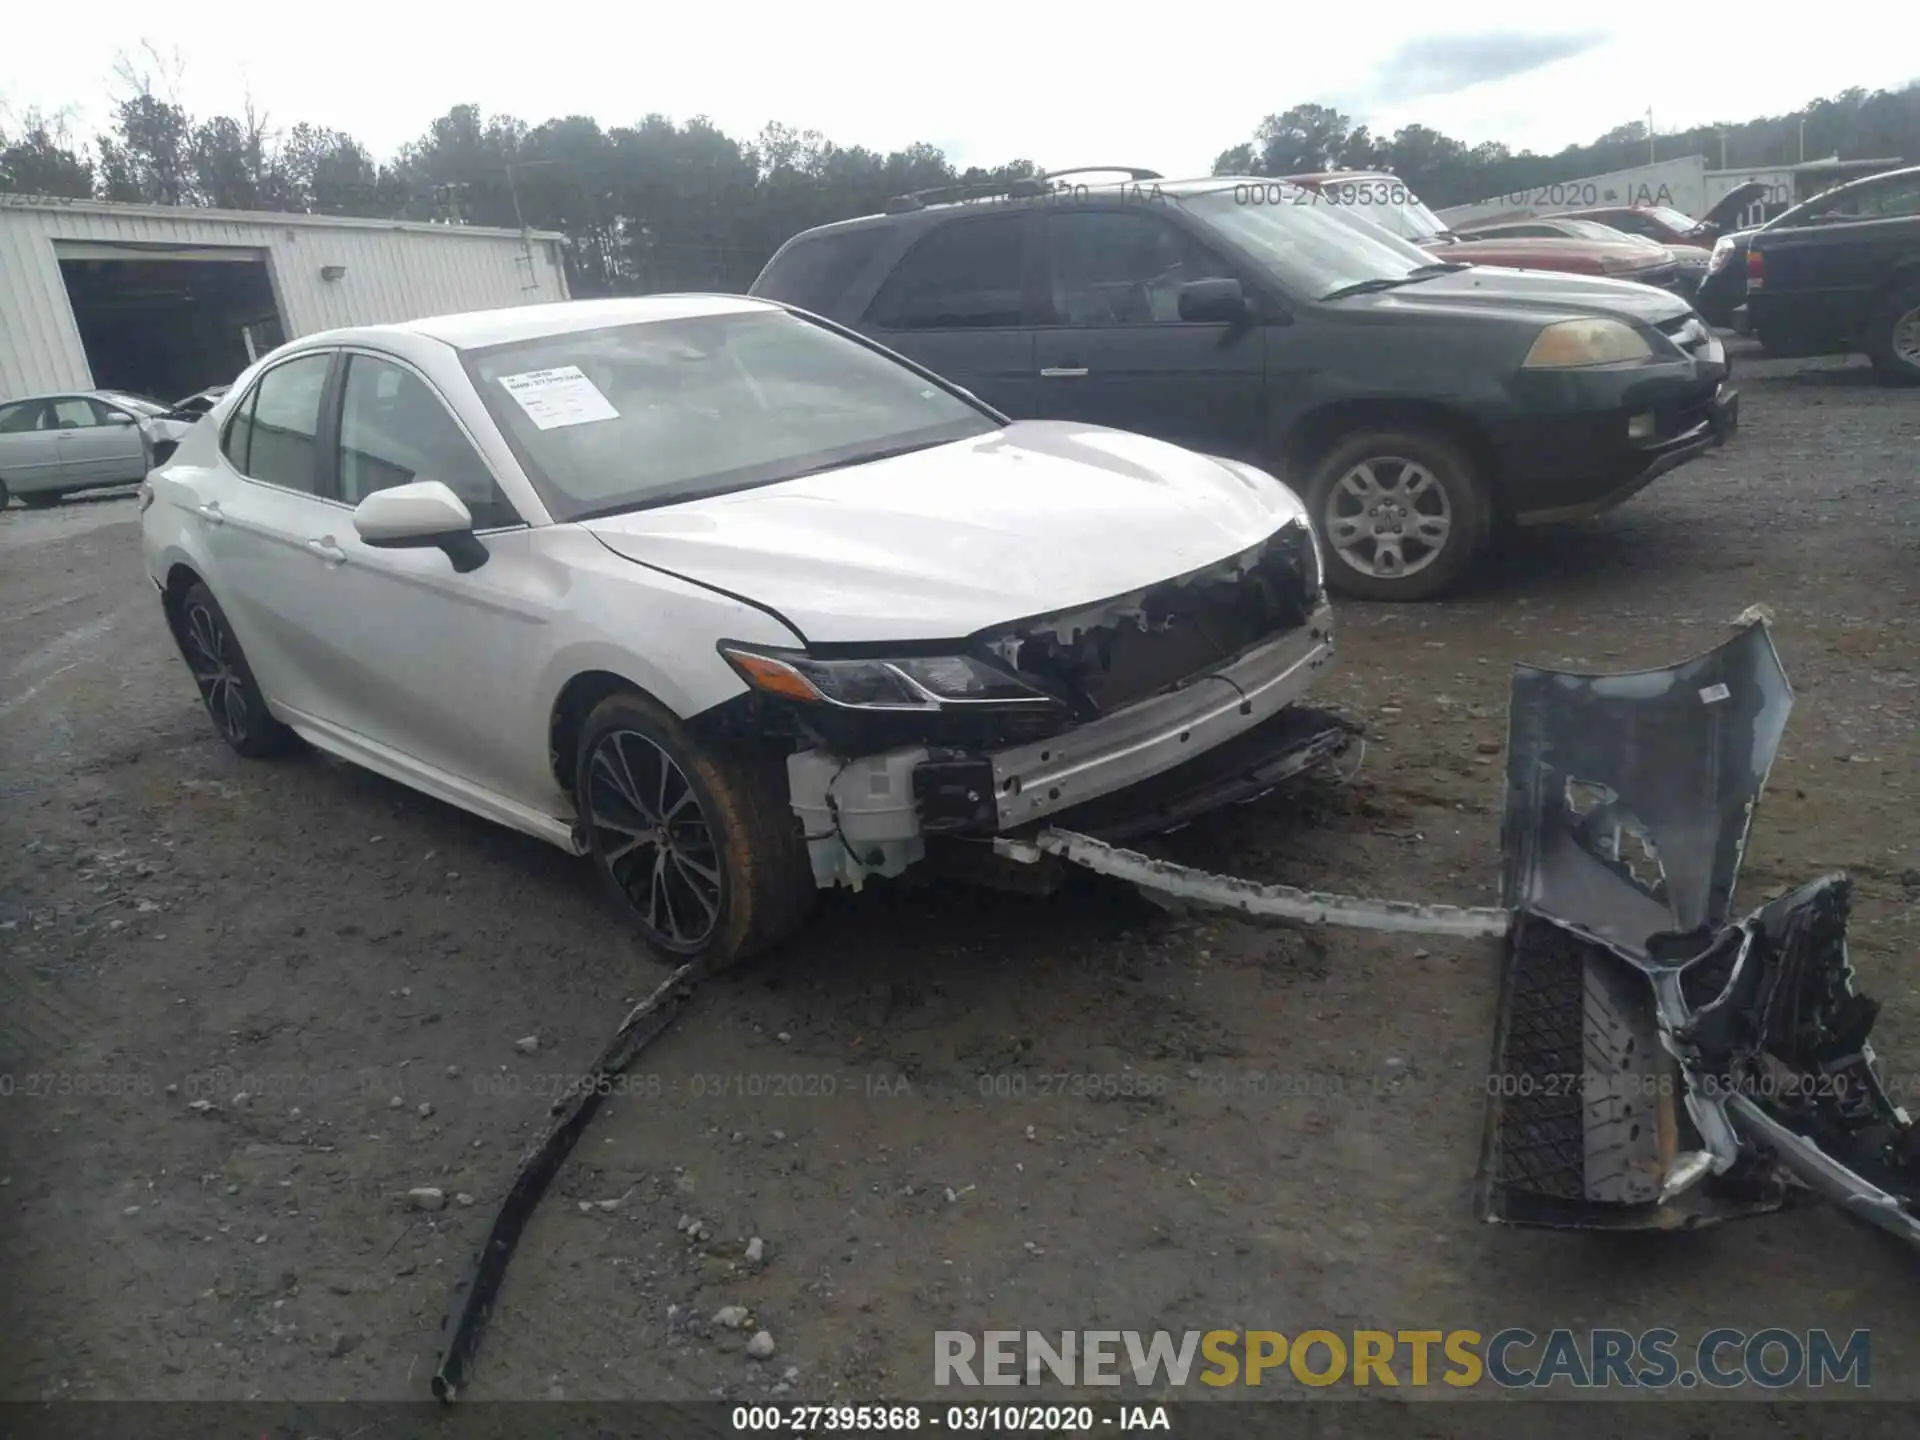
[1402, 513]
[697, 842]
[1893, 334]
[227, 687]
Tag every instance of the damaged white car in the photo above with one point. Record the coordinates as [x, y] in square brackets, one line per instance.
[733, 600]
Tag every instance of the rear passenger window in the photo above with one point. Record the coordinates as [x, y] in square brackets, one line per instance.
[272, 436]
[815, 273]
[395, 430]
[965, 275]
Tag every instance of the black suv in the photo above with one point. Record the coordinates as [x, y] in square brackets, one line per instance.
[1841, 274]
[1416, 404]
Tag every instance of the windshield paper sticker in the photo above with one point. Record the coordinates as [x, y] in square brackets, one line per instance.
[559, 397]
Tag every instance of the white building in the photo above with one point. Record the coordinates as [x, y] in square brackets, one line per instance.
[1686, 185]
[164, 300]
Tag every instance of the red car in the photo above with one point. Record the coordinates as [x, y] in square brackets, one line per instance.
[1387, 202]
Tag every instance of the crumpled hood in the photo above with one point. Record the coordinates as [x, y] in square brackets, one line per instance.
[935, 545]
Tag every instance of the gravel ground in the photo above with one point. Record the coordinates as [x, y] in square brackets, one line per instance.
[897, 1106]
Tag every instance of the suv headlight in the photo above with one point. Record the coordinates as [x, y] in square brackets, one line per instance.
[916, 683]
[1569, 344]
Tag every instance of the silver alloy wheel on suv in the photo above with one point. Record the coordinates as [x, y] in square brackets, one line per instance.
[1388, 517]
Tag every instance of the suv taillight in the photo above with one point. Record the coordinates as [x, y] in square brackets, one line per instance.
[1756, 270]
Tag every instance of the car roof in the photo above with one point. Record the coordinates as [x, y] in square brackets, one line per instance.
[1320, 177]
[476, 329]
[990, 204]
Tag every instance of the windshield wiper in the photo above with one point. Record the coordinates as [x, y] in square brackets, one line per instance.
[1382, 282]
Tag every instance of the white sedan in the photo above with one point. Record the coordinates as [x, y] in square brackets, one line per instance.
[734, 601]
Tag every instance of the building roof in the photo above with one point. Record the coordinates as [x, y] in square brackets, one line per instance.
[60, 204]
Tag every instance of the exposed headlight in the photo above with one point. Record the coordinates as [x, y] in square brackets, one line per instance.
[919, 683]
[1569, 344]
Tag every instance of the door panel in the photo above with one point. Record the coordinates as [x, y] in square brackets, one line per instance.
[258, 510]
[273, 588]
[29, 452]
[438, 665]
[91, 451]
[1118, 353]
[425, 660]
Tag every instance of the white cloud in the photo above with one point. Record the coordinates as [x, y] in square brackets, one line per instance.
[1057, 84]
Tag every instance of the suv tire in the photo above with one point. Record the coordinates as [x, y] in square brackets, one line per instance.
[1402, 512]
[1893, 333]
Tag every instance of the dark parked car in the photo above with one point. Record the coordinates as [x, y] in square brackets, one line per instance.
[1415, 404]
[1722, 296]
[1841, 275]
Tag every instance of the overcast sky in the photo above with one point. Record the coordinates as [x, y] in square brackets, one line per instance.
[1158, 85]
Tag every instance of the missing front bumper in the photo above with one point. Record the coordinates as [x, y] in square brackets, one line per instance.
[1225, 736]
[1658, 1065]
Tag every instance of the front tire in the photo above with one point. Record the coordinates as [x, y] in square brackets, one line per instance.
[1893, 334]
[225, 680]
[697, 842]
[1401, 513]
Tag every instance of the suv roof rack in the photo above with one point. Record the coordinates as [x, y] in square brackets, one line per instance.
[1022, 188]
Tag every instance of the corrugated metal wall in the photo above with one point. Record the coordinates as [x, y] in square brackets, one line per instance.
[393, 272]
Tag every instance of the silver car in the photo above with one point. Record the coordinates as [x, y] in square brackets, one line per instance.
[53, 445]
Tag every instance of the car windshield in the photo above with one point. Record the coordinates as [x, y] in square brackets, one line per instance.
[1311, 249]
[1388, 203]
[635, 416]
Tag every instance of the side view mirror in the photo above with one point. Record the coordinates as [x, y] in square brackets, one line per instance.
[120, 417]
[1214, 301]
[424, 515]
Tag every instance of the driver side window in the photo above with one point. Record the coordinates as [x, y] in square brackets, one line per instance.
[1112, 267]
[73, 413]
[395, 430]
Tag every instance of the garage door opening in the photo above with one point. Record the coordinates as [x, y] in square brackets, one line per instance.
[169, 322]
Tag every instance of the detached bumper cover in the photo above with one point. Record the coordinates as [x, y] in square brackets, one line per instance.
[1657, 1065]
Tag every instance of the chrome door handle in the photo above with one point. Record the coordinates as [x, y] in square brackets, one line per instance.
[327, 550]
[210, 512]
[1055, 372]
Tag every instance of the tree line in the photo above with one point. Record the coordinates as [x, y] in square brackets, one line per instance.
[660, 205]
